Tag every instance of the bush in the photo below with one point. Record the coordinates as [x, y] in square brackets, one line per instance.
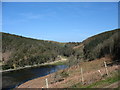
[64, 74]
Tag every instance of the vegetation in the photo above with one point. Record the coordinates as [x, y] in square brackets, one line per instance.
[71, 77]
[19, 51]
[98, 46]
[102, 83]
[107, 43]
[64, 74]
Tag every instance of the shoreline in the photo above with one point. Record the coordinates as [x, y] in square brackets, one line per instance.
[91, 74]
[28, 66]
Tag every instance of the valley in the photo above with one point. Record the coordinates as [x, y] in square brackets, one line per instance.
[20, 52]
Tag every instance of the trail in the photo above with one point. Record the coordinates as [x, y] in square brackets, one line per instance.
[60, 60]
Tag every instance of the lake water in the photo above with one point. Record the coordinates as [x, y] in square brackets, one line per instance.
[15, 78]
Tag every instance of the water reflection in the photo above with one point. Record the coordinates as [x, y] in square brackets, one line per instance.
[14, 78]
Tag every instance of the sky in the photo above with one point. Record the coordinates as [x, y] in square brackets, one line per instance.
[59, 21]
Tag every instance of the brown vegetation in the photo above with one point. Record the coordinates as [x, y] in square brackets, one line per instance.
[73, 75]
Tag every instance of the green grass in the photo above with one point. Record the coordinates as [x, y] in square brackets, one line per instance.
[104, 82]
[99, 84]
[60, 63]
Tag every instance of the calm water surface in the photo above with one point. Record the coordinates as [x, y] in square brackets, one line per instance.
[15, 78]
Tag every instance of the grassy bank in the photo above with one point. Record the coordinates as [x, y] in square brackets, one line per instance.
[114, 77]
[71, 77]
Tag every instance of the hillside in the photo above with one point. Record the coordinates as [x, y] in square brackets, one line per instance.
[106, 43]
[71, 77]
[18, 51]
[98, 46]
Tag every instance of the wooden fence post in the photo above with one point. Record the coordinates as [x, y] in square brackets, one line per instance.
[106, 68]
[82, 76]
[46, 83]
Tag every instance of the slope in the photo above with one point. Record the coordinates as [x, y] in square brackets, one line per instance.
[18, 51]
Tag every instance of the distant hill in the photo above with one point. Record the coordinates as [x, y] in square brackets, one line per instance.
[21, 51]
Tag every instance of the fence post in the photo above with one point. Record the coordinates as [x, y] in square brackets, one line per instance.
[106, 68]
[82, 76]
[46, 83]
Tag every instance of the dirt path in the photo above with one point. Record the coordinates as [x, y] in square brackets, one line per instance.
[61, 60]
[114, 85]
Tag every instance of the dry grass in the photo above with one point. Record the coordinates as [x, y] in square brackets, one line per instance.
[90, 73]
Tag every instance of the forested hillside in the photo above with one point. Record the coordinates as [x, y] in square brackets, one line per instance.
[19, 51]
[101, 45]
[97, 46]
[107, 43]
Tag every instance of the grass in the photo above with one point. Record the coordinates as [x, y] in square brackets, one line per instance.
[60, 63]
[102, 83]
[71, 76]
[56, 63]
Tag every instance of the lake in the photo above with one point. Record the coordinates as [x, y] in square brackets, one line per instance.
[14, 78]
